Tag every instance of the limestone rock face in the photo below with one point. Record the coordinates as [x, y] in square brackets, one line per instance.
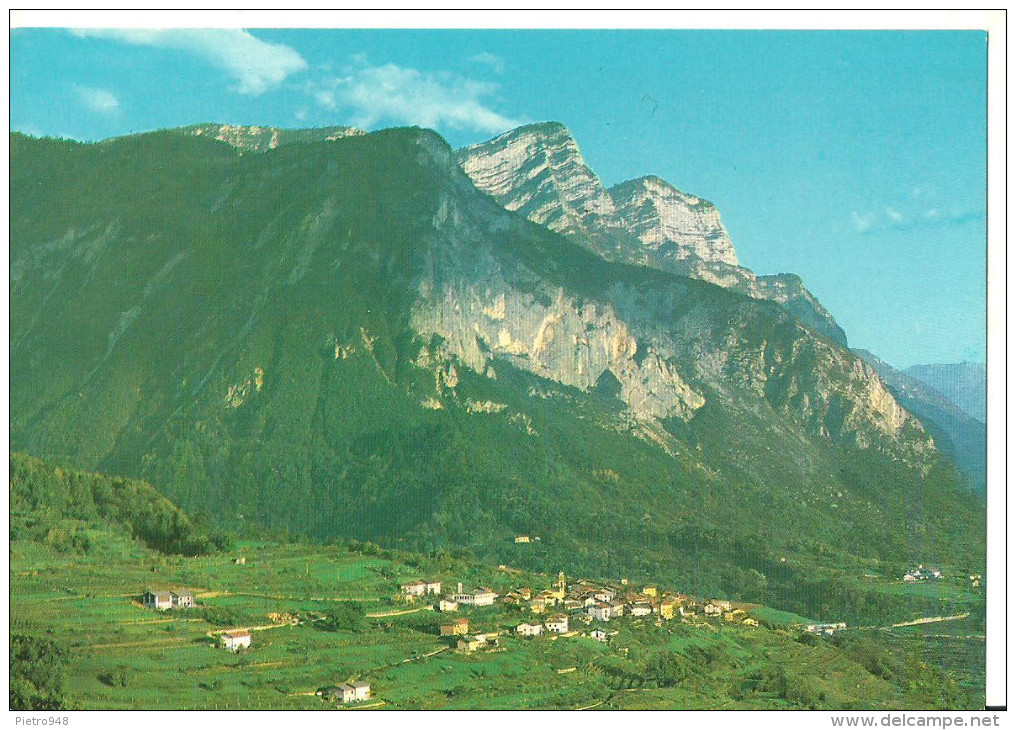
[486, 313]
[662, 345]
[538, 171]
[673, 224]
[262, 139]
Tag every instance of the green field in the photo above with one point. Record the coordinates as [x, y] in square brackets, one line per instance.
[123, 656]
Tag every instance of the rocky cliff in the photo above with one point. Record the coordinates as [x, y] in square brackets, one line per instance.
[538, 171]
[261, 139]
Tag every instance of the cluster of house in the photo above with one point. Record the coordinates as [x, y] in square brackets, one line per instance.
[351, 692]
[603, 603]
[450, 602]
[826, 629]
[922, 573]
[581, 601]
[165, 600]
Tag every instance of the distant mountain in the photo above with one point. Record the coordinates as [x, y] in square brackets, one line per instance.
[347, 338]
[965, 384]
[538, 171]
[955, 432]
[262, 139]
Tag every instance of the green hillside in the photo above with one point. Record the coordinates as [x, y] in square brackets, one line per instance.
[80, 639]
[236, 329]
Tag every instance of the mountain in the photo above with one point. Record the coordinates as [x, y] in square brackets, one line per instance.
[965, 384]
[262, 139]
[956, 433]
[538, 171]
[348, 338]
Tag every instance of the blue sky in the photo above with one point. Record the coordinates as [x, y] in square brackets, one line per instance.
[855, 159]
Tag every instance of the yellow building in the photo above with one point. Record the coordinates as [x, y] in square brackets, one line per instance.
[458, 627]
[667, 608]
[649, 591]
[560, 587]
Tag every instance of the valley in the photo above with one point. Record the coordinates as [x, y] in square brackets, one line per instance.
[360, 359]
[320, 615]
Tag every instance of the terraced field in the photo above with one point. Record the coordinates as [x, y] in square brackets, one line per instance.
[123, 656]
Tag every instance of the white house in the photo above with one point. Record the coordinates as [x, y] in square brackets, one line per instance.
[716, 608]
[159, 600]
[432, 587]
[351, 692]
[476, 597]
[827, 629]
[641, 609]
[600, 611]
[599, 635]
[526, 629]
[235, 640]
[416, 588]
[448, 604]
[557, 624]
[616, 609]
[604, 594]
[182, 600]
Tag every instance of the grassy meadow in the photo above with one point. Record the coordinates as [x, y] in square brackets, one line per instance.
[124, 656]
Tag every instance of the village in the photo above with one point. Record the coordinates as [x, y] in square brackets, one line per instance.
[582, 609]
[565, 610]
[479, 620]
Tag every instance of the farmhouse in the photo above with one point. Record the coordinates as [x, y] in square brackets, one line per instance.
[448, 604]
[716, 608]
[922, 573]
[182, 600]
[159, 600]
[471, 643]
[827, 629]
[557, 624]
[235, 640]
[526, 629]
[415, 588]
[599, 635]
[458, 627]
[421, 588]
[349, 692]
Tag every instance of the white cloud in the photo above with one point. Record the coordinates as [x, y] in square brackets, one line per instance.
[255, 65]
[99, 101]
[891, 219]
[394, 94]
[489, 59]
[863, 222]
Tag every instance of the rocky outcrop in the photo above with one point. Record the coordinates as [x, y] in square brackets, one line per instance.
[671, 224]
[538, 171]
[262, 139]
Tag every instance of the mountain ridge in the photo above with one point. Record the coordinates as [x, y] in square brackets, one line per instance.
[311, 338]
[644, 221]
